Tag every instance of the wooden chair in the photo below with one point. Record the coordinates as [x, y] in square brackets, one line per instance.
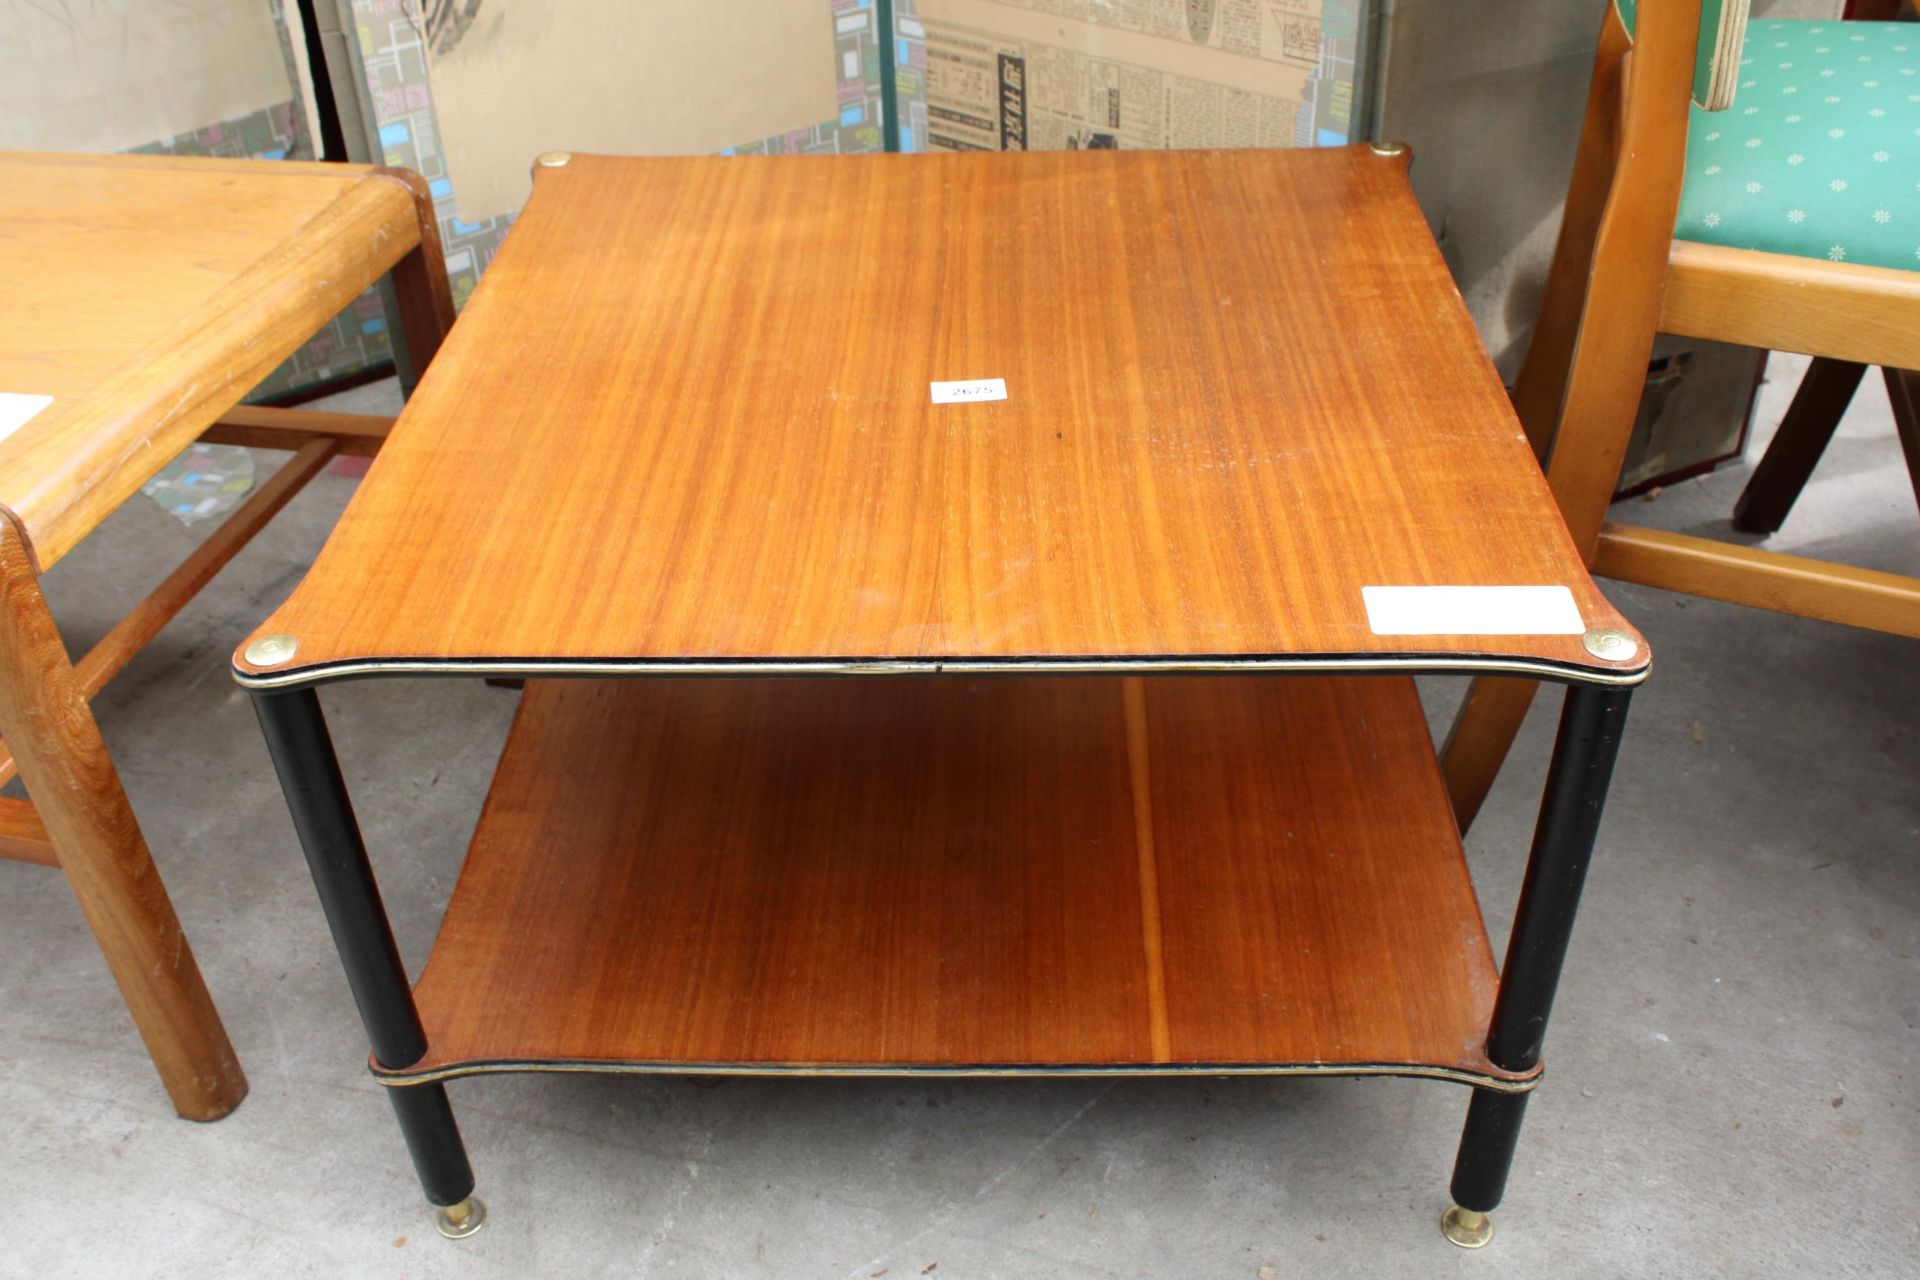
[1825, 391]
[144, 297]
[1779, 212]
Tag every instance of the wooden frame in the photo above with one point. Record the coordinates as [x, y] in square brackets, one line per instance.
[133, 390]
[1617, 278]
[1860, 313]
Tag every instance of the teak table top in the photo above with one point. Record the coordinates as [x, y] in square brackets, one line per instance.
[147, 294]
[964, 874]
[686, 423]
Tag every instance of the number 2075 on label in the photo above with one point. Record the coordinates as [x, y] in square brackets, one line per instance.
[967, 392]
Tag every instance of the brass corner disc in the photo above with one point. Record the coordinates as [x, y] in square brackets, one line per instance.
[1610, 645]
[271, 651]
[1466, 1228]
[458, 1221]
[1388, 148]
[554, 159]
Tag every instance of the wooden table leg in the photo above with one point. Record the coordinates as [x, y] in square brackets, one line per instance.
[44, 717]
[421, 293]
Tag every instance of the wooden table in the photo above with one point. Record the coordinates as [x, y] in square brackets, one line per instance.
[142, 298]
[690, 428]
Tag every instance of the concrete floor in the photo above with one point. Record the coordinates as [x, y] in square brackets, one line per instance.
[1731, 1086]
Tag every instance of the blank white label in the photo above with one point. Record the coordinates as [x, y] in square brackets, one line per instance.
[16, 409]
[969, 391]
[1472, 611]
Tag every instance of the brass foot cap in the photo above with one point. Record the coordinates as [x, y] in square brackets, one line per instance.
[458, 1221]
[1466, 1228]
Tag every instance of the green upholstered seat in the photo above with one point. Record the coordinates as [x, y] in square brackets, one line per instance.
[1819, 155]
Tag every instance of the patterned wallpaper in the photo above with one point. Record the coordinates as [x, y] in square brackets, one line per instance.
[394, 54]
[399, 100]
[357, 338]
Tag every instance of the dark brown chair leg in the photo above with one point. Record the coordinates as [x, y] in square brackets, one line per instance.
[1816, 410]
[1903, 389]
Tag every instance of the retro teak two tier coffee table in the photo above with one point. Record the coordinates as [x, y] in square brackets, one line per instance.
[1107, 757]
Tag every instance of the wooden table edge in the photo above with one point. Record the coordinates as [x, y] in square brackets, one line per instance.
[165, 391]
[255, 678]
[332, 169]
[1491, 1078]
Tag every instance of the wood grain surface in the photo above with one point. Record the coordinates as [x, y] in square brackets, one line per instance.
[686, 416]
[147, 294]
[357, 435]
[1017, 873]
[1769, 300]
[1868, 598]
[23, 837]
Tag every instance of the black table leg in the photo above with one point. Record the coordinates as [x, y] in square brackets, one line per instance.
[296, 733]
[1576, 792]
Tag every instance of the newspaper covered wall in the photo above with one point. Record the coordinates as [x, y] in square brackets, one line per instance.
[1012, 75]
[398, 99]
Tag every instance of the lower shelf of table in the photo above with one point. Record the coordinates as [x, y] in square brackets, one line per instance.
[873, 875]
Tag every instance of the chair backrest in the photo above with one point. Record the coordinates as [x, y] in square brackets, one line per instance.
[1610, 261]
[1716, 67]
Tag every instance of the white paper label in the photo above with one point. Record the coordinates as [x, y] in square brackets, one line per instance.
[16, 409]
[1472, 611]
[971, 390]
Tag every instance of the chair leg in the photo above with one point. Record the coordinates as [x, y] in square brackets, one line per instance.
[1903, 390]
[1816, 410]
[45, 719]
[1482, 734]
